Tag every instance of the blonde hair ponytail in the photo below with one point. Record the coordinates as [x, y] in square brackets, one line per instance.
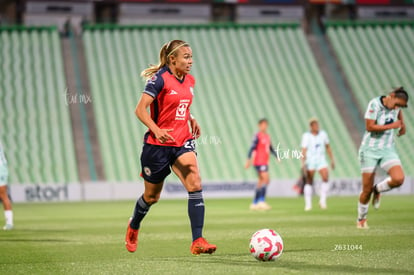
[166, 51]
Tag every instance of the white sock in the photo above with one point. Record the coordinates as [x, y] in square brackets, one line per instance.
[324, 193]
[362, 210]
[307, 192]
[8, 214]
[383, 186]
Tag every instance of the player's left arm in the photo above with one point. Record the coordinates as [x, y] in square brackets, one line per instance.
[274, 152]
[402, 128]
[329, 151]
[195, 127]
[330, 154]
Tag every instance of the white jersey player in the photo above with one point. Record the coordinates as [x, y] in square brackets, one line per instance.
[315, 144]
[382, 116]
[4, 196]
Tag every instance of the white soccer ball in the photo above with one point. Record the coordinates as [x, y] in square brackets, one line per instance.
[266, 245]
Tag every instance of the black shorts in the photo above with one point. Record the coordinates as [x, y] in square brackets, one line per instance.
[156, 160]
[261, 168]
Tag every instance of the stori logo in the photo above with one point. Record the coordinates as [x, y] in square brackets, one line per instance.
[46, 193]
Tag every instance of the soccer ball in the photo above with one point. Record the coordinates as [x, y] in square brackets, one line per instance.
[266, 245]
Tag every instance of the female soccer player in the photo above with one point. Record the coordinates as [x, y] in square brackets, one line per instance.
[382, 116]
[261, 147]
[314, 144]
[169, 142]
[4, 196]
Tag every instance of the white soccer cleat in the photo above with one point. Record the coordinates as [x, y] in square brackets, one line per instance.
[254, 207]
[376, 200]
[323, 206]
[264, 206]
[8, 227]
[308, 208]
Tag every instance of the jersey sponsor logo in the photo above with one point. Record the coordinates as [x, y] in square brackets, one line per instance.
[388, 120]
[173, 92]
[181, 111]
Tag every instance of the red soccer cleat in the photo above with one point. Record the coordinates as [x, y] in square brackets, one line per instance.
[202, 246]
[362, 224]
[131, 238]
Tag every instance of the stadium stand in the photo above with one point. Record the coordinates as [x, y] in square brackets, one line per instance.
[35, 127]
[244, 72]
[376, 57]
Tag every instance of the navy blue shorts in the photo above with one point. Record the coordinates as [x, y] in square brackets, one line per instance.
[156, 160]
[261, 168]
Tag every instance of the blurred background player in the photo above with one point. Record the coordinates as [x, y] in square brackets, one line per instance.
[169, 144]
[315, 143]
[382, 116]
[301, 181]
[260, 150]
[4, 195]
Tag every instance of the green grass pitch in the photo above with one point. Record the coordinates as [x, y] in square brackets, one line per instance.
[88, 238]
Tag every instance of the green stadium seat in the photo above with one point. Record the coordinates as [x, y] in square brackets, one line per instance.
[36, 129]
[243, 73]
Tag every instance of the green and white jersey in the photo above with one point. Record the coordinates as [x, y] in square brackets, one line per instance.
[315, 145]
[3, 161]
[382, 116]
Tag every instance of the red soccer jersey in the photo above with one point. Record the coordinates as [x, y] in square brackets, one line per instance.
[171, 106]
[262, 147]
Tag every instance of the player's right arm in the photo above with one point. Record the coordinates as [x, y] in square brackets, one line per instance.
[371, 120]
[304, 145]
[402, 128]
[251, 150]
[141, 112]
[372, 126]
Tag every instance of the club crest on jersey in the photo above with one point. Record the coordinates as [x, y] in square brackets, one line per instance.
[181, 111]
[147, 171]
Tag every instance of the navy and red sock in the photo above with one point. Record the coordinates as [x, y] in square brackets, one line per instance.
[196, 212]
[141, 209]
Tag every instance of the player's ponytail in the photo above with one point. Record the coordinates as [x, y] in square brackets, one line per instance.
[166, 51]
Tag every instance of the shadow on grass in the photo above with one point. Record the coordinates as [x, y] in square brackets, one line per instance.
[35, 240]
[43, 230]
[338, 268]
[295, 266]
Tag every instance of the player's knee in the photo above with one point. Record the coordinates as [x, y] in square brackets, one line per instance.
[152, 198]
[194, 186]
[194, 182]
[3, 193]
[397, 180]
[366, 191]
